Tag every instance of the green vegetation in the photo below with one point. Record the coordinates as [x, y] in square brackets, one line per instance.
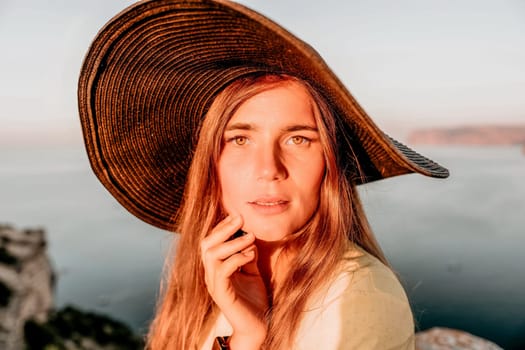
[71, 325]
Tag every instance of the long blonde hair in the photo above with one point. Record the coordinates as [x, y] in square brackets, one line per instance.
[185, 309]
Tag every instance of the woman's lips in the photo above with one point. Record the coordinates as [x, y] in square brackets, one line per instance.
[269, 206]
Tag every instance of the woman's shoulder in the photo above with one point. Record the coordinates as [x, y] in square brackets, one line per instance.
[364, 306]
[363, 273]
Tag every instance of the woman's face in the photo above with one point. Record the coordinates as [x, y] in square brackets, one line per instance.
[271, 166]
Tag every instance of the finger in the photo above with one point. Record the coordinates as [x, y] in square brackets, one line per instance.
[233, 263]
[221, 232]
[251, 268]
[226, 249]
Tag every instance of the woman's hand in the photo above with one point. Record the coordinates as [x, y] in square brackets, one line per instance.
[234, 282]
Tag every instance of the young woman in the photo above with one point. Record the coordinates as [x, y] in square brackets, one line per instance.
[308, 274]
[207, 119]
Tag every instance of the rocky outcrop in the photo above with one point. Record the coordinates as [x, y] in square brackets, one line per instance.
[472, 135]
[27, 318]
[451, 339]
[26, 283]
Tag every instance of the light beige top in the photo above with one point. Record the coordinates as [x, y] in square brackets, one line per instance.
[365, 307]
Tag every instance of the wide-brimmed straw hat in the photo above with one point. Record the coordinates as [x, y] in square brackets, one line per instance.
[152, 72]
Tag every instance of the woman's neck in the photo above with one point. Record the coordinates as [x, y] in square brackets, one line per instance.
[271, 262]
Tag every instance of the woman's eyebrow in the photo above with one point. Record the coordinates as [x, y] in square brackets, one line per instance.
[300, 127]
[240, 126]
[290, 128]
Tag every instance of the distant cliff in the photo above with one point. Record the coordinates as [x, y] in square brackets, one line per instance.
[471, 135]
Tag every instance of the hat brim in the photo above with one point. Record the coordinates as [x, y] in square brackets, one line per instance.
[152, 72]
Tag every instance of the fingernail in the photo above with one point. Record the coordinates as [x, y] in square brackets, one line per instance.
[249, 253]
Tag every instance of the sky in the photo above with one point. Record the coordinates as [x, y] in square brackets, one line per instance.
[410, 63]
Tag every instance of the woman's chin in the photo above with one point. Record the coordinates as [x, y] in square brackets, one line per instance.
[269, 230]
[270, 235]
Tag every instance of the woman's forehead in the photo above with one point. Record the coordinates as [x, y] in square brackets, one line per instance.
[286, 105]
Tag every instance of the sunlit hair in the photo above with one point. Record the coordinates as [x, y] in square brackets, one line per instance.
[185, 311]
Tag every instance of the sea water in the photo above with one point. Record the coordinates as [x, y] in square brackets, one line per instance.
[456, 244]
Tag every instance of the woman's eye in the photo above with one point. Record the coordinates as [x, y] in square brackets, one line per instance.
[239, 140]
[298, 140]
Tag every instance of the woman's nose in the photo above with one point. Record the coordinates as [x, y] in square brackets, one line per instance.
[269, 164]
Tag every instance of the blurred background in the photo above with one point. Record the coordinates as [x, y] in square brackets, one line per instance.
[445, 77]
